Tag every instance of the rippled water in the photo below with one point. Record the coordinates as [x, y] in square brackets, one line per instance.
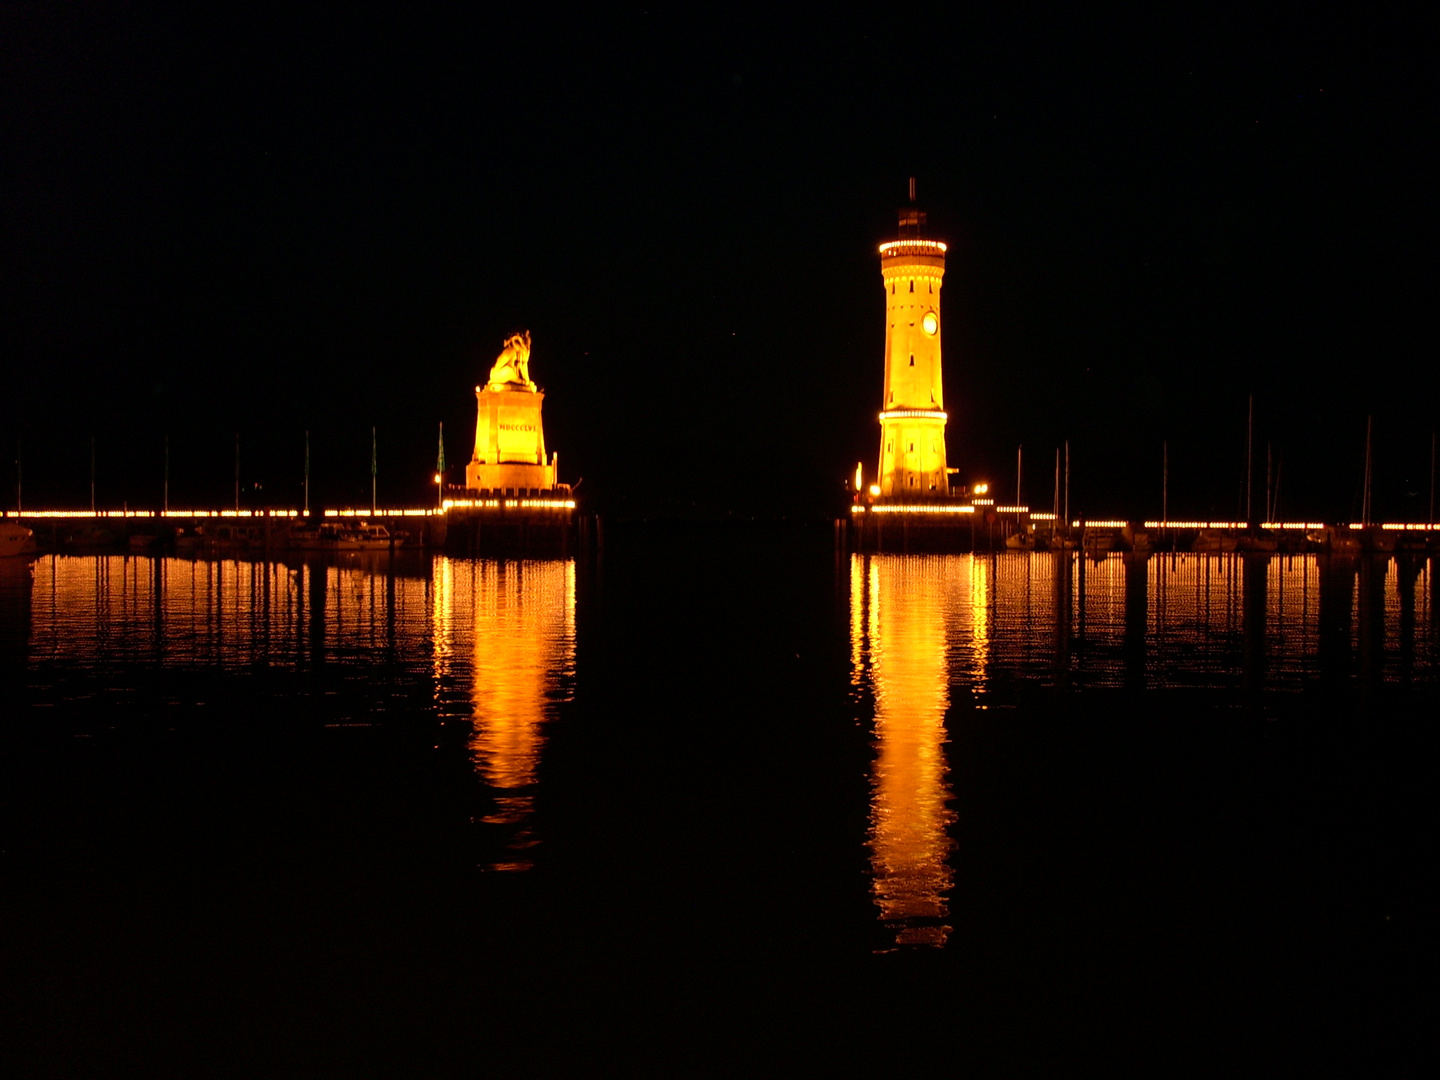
[760, 741]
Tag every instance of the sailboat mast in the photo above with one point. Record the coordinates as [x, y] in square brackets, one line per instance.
[1019, 450]
[1055, 514]
[1269, 464]
[307, 473]
[1164, 483]
[440, 470]
[1365, 499]
[1249, 457]
[1067, 485]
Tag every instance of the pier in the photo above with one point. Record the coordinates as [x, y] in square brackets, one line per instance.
[474, 523]
[980, 525]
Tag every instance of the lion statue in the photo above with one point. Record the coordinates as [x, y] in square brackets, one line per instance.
[513, 365]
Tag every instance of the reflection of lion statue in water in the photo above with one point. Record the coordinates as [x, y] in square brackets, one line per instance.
[513, 365]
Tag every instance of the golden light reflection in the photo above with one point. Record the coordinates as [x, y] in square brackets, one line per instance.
[519, 618]
[981, 591]
[905, 611]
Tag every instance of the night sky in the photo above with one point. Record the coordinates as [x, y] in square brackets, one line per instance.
[266, 223]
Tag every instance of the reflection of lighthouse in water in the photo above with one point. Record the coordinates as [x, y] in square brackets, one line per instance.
[523, 619]
[901, 622]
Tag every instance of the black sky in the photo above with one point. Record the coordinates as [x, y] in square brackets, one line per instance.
[221, 222]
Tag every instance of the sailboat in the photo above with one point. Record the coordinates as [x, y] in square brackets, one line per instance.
[1023, 539]
[1062, 540]
[1340, 539]
[1253, 538]
[1375, 538]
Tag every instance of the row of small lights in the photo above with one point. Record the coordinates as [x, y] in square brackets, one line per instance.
[924, 245]
[524, 504]
[913, 414]
[381, 513]
[917, 508]
[546, 504]
[569, 504]
[153, 513]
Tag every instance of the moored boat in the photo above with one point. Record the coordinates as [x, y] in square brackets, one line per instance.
[16, 539]
[1257, 541]
[311, 537]
[1211, 541]
[363, 536]
[1334, 540]
[339, 536]
[1136, 539]
[1020, 541]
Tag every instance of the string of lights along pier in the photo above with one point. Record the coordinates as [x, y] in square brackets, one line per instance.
[512, 498]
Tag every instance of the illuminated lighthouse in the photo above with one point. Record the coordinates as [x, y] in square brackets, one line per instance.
[912, 420]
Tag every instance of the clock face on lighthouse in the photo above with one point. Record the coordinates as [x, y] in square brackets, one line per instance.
[930, 323]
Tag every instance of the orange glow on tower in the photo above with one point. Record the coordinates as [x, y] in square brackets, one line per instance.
[912, 417]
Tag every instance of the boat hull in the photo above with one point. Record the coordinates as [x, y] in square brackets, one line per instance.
[16, 541]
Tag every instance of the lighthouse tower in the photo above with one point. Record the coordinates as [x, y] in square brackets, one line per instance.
[912, 417]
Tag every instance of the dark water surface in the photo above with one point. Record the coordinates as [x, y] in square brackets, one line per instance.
[717, 800]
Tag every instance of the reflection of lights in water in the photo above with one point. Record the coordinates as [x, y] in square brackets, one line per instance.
[906, 615]
[523, 620]
[442, 604]
[981, 592]
[858, 635]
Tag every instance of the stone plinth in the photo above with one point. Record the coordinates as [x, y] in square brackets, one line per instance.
[509, 440]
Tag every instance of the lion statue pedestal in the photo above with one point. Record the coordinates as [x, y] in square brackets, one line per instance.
[509, 434]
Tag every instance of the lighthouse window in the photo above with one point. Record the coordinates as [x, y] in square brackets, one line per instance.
[912, 448]
[912, 286]
[932, 286]
[912, 359]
